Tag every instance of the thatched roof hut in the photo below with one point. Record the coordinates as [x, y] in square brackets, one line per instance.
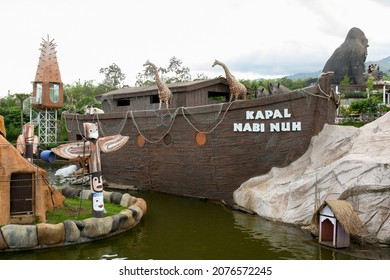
[25, 194]
[336, 221]
[344, 214]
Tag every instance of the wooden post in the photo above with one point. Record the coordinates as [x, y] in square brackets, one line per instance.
[91, 133]
[27, 143]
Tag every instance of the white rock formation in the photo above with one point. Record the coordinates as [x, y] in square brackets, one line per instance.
[345, 163]
[66, 171]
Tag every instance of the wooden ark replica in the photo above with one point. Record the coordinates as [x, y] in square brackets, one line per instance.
[205, 146]
[25, 194]
[185, 94]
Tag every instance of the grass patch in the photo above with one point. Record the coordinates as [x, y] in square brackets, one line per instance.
[79, 209]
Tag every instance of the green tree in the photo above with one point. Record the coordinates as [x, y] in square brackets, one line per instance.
[175, 72]
[346, 80]
[299, 83]
[369, 108]
[370, 84]
[201, 77]
[10, 109]
[78, 95]
[252, 84]
[21, 97]
[386, 75]
[113, 76]
[146, 78]
[287, 82]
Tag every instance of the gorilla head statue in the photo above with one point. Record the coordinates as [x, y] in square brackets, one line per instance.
[348, 59]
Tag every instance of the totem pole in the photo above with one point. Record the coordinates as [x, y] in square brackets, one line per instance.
[91, 148]
[27, 143]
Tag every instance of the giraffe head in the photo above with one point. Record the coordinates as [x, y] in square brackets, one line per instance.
[216, 62]
[147, 63]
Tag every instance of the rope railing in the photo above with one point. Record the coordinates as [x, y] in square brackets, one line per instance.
[185, 111]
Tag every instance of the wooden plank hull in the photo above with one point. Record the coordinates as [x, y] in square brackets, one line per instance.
[232, 148]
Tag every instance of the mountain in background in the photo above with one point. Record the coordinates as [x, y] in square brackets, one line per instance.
[304, 76]
[384, 65]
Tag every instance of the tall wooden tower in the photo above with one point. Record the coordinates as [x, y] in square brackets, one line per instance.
[48, 93]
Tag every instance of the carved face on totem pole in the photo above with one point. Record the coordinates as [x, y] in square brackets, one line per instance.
[91, 131]
[98, 202]
[97, 181]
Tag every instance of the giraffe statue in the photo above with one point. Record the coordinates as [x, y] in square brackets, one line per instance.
[237, 90]
[164, 93]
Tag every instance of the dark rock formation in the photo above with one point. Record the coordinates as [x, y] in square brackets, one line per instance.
[349, 57]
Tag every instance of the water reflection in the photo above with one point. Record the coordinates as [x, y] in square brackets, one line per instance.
[284, 240]
[188, 229]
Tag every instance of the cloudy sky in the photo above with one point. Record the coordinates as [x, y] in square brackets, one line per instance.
[255, 38]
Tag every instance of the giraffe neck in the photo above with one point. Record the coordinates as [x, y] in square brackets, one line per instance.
[156, 76]
[229, 77]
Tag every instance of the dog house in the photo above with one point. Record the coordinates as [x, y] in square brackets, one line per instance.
[337, 221]
[25, 194]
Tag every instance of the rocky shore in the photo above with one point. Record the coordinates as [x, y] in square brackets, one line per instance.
[69, 232]
[341, 163]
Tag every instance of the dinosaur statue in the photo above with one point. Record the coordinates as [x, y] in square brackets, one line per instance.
[237, 90]
[164, 93]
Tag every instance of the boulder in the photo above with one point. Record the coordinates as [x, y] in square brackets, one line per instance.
[96, 227]
[127, 200]
[50, 234]
[141, 203]
[71, 192]
[20, 236]
[86, 194]
[107, 196]
[341, 163]
[130, 221]
[119, 222]
[3, 245]
[72, 232]
[116, 197]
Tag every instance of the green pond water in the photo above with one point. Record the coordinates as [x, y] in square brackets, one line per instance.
[178, 228]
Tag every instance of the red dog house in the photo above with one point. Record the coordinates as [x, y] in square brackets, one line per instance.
[337, 221]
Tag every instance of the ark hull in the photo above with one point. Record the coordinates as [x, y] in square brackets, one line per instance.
[209, 151]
